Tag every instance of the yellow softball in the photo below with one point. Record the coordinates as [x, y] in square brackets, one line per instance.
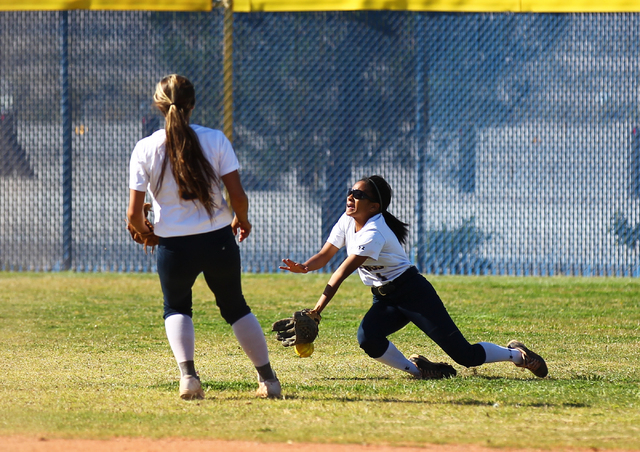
[304, 350]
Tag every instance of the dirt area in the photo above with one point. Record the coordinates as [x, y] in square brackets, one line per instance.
[26, 444]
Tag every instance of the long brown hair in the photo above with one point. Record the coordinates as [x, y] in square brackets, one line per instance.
[175, 98]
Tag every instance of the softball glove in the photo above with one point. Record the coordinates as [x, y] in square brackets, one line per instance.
[302, 328]
[148, 239]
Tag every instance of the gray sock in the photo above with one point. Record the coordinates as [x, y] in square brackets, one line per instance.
[188, 368]
[266, 372]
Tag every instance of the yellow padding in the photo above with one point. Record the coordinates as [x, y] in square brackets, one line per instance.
[116, 5]
[539, 6]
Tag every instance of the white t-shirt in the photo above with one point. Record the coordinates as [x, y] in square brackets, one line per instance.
[386, 258]
[173, 216]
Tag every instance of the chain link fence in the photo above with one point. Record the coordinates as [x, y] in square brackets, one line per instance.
[511, 140]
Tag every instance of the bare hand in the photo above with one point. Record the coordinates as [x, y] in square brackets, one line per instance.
[294, 267]
[243, 226]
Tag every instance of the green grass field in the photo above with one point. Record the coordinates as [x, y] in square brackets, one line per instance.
[85, 356]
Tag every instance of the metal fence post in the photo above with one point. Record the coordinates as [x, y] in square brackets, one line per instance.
[228, 70]
[65, 120]
[420, 252]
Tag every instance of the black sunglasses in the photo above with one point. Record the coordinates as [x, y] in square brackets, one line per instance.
[359, 194]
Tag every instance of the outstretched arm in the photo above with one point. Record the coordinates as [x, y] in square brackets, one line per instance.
[313, 263]
[348, 266]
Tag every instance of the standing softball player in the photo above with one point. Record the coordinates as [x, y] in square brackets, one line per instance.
[373, 238]
[183, 167]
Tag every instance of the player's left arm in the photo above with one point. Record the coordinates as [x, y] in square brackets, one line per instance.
[239, 204]
[135, 212]
[348, 266]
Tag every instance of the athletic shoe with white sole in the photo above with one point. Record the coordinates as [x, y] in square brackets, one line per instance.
[532, 361]
[430, 370]
[190, 388]
[269, 389]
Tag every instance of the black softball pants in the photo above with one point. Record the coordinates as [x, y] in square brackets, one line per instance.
[415, 301]
[217, 256]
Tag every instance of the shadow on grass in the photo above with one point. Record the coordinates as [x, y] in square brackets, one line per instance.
[240, 390]
[211, 386]
[356, 378]
[392, 400]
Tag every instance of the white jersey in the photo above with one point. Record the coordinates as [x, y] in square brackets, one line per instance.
[173, 216]
[386, 258]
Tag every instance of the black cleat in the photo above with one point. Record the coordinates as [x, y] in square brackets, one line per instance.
[532, 361]
[432, 371]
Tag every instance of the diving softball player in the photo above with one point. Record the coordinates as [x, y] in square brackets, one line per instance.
[373, 239]
[183, 168]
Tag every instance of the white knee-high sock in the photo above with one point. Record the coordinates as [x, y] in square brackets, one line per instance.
[182, 336]
[496, 353]
[251, 338]
[394, 358]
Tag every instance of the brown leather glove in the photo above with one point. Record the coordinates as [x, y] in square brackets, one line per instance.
[301, 328]
[148, 239]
